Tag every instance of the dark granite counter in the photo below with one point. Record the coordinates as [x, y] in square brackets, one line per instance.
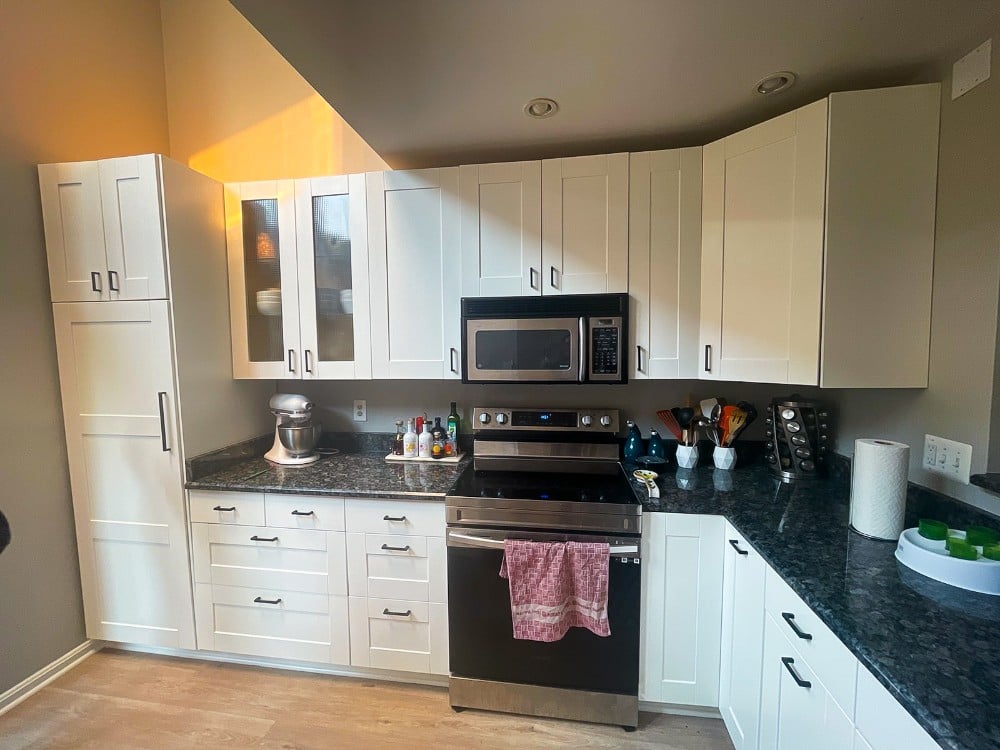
[933, 646]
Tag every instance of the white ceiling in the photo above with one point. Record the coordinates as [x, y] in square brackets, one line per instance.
[440, 82]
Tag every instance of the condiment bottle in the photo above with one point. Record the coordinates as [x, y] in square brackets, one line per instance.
[439, 439]
[633, 442]
[397, 441]
[656, 445]
[424, 442]
[410, 440]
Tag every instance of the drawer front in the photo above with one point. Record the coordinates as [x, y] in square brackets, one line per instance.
[274, 559]
[239, 508]
[883, 722]
[826, 655]
[399, 635]
[306, 627]
[397, 567]
[304, 512]
[394, 517]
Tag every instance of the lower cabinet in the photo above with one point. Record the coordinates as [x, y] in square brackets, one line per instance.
[681, 608]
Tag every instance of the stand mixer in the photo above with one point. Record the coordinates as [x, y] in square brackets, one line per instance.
[294, 432]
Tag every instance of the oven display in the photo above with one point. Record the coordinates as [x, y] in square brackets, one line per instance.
[543, 418]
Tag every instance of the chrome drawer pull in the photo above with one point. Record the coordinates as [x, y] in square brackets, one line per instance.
[394, 518]
[736, 546]
[258, 600]
[303, 513]
[788, 662]
[256, 538]
[405, 548]
[224, 510]
[407, 613]
[790, 619]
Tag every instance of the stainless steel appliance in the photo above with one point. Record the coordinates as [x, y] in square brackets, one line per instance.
[798, 434]
[294, 432]
[573, 338]
[542, 475]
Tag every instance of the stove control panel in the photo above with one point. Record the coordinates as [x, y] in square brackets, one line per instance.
[507, 419]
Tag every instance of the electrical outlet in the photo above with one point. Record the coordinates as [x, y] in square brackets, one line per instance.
[948, 458]
[360, 410]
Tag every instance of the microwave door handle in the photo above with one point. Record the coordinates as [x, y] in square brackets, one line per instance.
[582, 377]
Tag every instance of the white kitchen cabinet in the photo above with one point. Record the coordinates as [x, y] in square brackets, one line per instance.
[104, 229]
[501, 239]
[681, 608]
[797, 710]
[881, 723]
[585, 207]
[415, 255]
[818, 243]
[664, 262]
[742, 639]
[145, 384]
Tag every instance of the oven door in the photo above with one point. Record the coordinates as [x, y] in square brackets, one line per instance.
[523, 350]
[481, 640]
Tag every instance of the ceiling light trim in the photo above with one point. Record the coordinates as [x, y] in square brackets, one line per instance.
[541, 107]
[775, 83]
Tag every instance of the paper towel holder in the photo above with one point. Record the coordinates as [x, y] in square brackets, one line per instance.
[798, 435]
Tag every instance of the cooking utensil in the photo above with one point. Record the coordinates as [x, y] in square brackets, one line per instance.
[737, 421]
[648, 478]
[707, 405]
[684, 416]
[670, 422]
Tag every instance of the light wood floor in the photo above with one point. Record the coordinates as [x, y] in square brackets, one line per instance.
[117, 699]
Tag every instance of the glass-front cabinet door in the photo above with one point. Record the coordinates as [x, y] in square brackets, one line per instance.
[332, 240]
[263, 279]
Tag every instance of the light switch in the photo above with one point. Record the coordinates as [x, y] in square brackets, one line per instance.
[948, 458]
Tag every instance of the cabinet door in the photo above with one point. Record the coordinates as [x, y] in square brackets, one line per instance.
[585, 224]
[133, 227]
[882, 723]
[762, 250]
[332, 248]
[742, 639]
[413, 231]
[74, 231]
[501, 229]
[126, 470]
[263, 279]
[664, 262]
[796, 709]
[681, 608]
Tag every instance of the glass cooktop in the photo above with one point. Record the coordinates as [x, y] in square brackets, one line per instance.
[544, 486]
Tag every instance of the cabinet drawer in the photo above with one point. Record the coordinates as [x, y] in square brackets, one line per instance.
[883, 722]
[275, 559]
[240, 508]
[400, 635]
[304, 512]
[397, 567]
[394, 517]
[830, 659]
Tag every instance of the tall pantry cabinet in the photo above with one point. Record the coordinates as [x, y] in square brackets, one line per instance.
[137, 261]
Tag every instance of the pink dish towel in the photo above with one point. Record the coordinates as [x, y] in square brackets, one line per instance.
[555, 586]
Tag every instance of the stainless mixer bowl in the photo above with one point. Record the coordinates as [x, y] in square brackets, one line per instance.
[299, 440]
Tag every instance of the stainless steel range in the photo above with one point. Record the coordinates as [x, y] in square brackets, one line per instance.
[542, 475]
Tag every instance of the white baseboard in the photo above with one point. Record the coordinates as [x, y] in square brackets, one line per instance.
[45, 675]
[701, 712]
[297, 666]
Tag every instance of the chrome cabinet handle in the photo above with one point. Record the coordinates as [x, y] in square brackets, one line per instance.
[552, 277]
[453, 355]
[258, 600]
[790, 619]
[291, 363]
[113, 281]
[163, 421]
[736, 546]
[405, 548]
[533, 275]
[256, 538]
[393, 518]
[308, 358]
[708, 357]
[388, 611]
[788, 662]
[303, 513]
[95, 281]
[226, 510]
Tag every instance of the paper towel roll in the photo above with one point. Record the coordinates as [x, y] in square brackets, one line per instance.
[878, 487]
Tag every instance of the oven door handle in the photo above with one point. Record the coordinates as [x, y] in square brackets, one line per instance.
[479, 541]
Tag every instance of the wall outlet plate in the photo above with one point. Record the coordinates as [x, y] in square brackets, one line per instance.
[948, 458]
[360, 410]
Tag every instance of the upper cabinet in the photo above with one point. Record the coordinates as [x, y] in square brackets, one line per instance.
[585, 205]
[414, 249]
[104, 229]
[818, 243]
[298, 270]
[664, 262]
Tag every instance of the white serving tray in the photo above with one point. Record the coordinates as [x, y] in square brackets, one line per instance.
[445, 460]
[930, 558]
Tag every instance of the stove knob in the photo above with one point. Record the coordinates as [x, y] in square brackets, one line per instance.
[586, 420]
[501, 418]
[484, 418]
[605, 421]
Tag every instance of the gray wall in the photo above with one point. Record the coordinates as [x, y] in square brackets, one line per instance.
[80, 81]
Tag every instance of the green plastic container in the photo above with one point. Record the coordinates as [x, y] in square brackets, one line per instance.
[928, 528]
[962, 550]
[981, 535]
[992, 553]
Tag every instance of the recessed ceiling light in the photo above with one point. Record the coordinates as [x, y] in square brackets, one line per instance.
[775, 82]
[541, 108]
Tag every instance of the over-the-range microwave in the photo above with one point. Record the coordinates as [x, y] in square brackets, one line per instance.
[572, 338]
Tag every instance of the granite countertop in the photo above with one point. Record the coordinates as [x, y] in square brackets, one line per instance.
[933, 646]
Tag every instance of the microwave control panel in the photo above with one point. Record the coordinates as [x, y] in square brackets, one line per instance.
[605, 348]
